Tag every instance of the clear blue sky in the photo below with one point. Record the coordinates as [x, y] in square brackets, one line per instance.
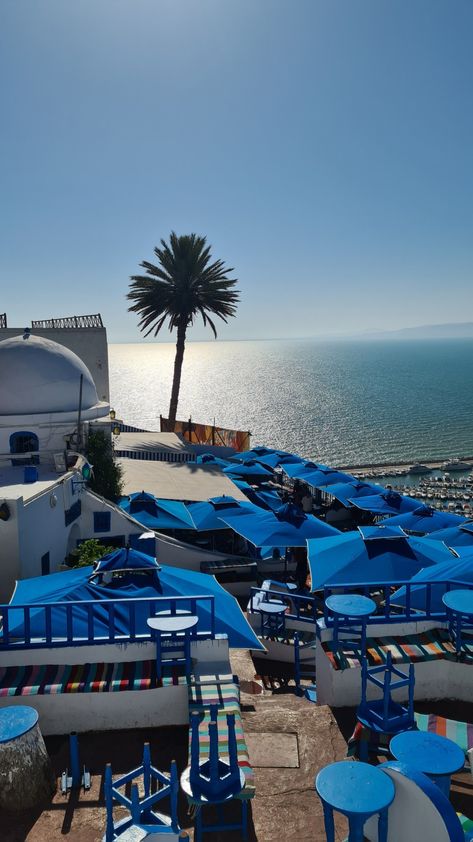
[325, 147]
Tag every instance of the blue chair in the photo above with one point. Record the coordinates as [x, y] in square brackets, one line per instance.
[383, 716]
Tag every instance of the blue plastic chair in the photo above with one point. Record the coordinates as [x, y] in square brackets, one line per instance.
[383, 716]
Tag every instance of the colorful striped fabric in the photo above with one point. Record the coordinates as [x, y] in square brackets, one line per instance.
[222, 730]
[467, 827]
[52, 679]
[460, 733]
[427, 646]
[227, 696]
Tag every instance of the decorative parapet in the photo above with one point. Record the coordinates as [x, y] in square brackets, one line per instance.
[66, 322]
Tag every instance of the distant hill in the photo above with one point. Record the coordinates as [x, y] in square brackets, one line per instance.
[454, 330]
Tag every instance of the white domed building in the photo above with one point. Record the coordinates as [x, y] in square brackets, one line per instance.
[45, 392]
[48, 399]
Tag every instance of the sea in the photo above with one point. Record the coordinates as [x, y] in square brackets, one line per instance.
[339, 402]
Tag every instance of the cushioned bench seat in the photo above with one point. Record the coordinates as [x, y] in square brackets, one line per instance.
[222, 730]
[427, 646]
[226, 696]
[43, 679]
[306, 638]
[460, 733]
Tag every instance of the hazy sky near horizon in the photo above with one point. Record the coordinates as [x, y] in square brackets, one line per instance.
[325, 147]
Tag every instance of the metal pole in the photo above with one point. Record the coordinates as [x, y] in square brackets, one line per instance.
[79, 414]
[74, 759]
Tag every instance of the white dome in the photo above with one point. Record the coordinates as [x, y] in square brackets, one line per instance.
[39, 376]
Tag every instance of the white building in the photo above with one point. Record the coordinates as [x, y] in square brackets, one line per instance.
[47, 400]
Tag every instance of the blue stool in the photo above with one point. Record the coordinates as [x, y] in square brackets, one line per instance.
[358, 791]
[350, 614]
[273, 621]
[384, 716]
[433, 755]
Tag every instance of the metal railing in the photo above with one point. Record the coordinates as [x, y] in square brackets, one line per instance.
[301, 608]
[390, 611]
[55, 624]
[94, 320]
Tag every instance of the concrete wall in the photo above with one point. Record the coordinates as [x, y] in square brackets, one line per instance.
[90, 344]
[42, 528]
[9, 550]
[119, 524]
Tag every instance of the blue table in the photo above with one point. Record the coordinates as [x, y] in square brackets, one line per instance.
[172, 625]
[459, 605]
[358, 791]
[350, 614]
[15, 721]
[272, 617]
[435, 756]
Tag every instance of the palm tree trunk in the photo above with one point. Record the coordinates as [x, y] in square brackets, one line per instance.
[176, 380]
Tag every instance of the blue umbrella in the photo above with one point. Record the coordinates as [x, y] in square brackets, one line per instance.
[155, 513]
[210, 458]
[251, 454]
[389, 503]
[289, 527]
[426, 519]
[456, 536]
[207, 516]
[380, 557]
[323, 478]
[249, 468]
[279, 458]
[345, 491]
[297, 470]
[451, 570]
[269, 500]
[76, 585]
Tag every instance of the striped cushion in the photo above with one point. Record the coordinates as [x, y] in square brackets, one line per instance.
[467, 827]
[460, 733]
[53, 679]
[426, 646]
[227, 696]
[222, 730]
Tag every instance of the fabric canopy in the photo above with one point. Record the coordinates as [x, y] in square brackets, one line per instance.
[251, 454]
[297, 470]
[127, 559]
[269, 500]
[426, 519]
[208, 516]
[455, 536]
[389, 503]
[345, 491]
[76, 586]
[155, 513]
[350, 559]
[322, 478]
[453, 570]
[281, 529]
[249, 468]
[274, 460]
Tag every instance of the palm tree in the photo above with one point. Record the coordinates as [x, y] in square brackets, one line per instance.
[184, 285]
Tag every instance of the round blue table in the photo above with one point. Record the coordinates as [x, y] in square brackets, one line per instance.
[16, 721]
[172, 624]
[346, 610]
[358, 791]
[459, 605]
[26, 776]
[272, 617]
[435, 756]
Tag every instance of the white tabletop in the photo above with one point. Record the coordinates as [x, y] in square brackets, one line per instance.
[167, 622]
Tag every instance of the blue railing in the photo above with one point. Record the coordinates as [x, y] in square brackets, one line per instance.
[390, 611]
[89, 622]
[301, 608]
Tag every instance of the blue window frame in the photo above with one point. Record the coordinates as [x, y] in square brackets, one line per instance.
[102, 521]
[24, 442]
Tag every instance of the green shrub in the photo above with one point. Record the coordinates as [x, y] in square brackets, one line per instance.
[106, 478]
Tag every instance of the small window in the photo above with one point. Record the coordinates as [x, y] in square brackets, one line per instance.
[102, 521]
[24, 442]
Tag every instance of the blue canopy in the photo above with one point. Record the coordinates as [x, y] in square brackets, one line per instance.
[345, 491]
[279, 457]
[249, 468]
[288, 527]
[207, 516]
[77, 586]
[244, 455]
[350, 559]
[126, 559]
[389, 503]
[323, 478]
[455, 536]
[205, 458]
[426, 519]
[297, 470]
[269, 500]
[453, 569]
[155, 513]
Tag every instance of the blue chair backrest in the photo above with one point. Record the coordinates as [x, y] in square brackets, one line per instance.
[392, 679]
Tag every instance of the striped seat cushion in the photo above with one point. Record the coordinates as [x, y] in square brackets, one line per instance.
[226, 696]
[460, 733]
[222, 730]
[427, 646]
[467, 827]
[52, 679]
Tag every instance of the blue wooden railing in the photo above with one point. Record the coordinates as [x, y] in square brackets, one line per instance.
[301, 608]
[56, 623]
[391, 612]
